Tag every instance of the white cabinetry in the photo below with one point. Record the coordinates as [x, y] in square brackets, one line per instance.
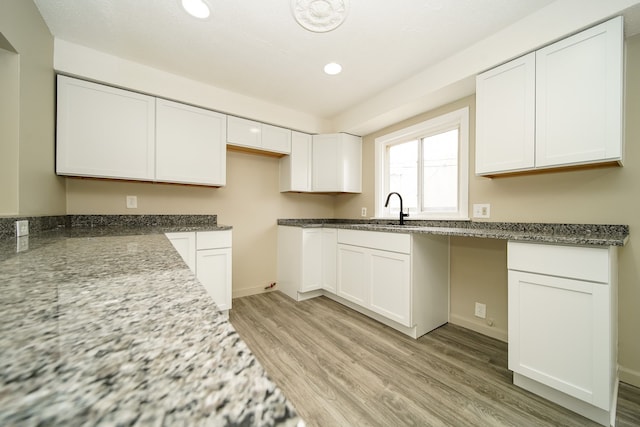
[579, 84]
[208, 255]
[329, 254]
[562, 325]
[505, 117]
[104, 132]
[577, 103]
[190, 144]
[295, 169]
[399, 279]
[213, 265]
[306, 261]
[258, 136]
[337, 163]
[185, 245]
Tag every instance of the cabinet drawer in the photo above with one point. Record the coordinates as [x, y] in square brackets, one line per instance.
[576, 262]
[213, 239]
[393, 242]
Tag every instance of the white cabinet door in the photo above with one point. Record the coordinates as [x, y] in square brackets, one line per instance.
[351, 164]
[185, 245]
[295, 169]
[336, 163]
[329, 248]
[311, 260]
[258, 136]
[505, 117]
[276, 139]
[559, 334]
[214, 272]
[353, 274]
[579, 97]
[103, 131]
[243, 132]
[390, 287]
[190, 144]
[325, 167]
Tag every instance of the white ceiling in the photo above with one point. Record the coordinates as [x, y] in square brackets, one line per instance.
[256, 48]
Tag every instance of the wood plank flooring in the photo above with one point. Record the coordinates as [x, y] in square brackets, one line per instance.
[340, 368]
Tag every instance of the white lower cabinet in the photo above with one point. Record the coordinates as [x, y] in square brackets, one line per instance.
[329, 248]
[562, 325]
[208, 255]
[306, 261]
[393, 302]
[401, 280]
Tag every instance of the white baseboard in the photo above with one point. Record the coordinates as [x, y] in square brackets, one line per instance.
[629, 376]
[481, 328]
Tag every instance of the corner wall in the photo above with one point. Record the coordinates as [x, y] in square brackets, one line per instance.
[33, 188]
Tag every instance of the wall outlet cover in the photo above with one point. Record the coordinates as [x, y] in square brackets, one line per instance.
[22, 228]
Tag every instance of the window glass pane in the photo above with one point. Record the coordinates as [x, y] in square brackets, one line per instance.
[403, 175]
[440, 177]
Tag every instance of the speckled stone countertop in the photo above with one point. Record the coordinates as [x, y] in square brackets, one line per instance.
[568, 234]
[110, 327]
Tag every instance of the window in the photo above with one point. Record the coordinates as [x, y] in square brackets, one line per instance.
[428, 164]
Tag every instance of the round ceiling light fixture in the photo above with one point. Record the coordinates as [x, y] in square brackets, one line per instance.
[320, 16]
[332, 68]
[197, 8]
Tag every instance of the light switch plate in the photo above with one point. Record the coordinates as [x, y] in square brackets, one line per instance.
[481, 210]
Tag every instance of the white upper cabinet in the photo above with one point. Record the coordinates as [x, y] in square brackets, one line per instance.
[337, 163]
[505, 117]
[104, 132]
[190, 144]
[560, 106]
[295, 169]
[258, 136]
[579, 97]
[276, 139]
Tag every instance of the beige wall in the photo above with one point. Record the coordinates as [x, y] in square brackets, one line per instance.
[9, 125]
[39, 191]
[250, 202]
[602, 196]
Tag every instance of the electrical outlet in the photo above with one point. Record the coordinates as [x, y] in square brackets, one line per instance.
[481, 210]
[481, 310]
[363, 212]
[132, 202]
[22, 228]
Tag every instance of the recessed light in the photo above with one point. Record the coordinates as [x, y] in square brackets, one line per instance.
[332, 68]
[197, 8]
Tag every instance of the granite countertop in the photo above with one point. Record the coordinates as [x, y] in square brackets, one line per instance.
[109, 327]
[569, 234]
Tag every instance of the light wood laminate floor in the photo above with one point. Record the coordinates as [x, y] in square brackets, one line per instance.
[340, 368]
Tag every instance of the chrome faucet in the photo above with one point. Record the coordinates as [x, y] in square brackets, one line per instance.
[402, 214]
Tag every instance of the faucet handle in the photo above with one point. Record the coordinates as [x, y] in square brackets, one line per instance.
[405, 214]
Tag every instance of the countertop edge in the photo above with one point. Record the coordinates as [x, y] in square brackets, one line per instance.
[568, 234]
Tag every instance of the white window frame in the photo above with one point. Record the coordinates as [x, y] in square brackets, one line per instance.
[458, 118]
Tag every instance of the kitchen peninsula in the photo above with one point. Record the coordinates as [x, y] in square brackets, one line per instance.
[104, 324]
